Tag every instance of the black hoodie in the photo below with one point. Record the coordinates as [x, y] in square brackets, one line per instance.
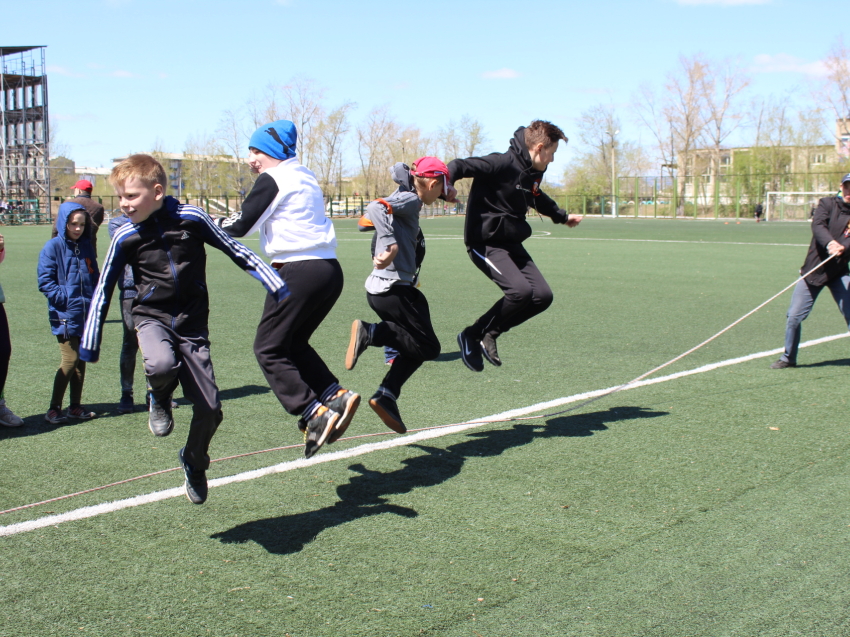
[504, 187]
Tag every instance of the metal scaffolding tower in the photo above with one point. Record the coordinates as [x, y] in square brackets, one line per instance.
[24, 141]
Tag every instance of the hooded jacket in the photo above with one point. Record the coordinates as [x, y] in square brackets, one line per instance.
[167, 255]
[396, 221]
[504, 186]
[829, 222]
[68, 274]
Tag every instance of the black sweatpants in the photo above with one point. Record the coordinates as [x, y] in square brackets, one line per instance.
[172, 358]
[405, 326]
[526, 293]
[293, 369]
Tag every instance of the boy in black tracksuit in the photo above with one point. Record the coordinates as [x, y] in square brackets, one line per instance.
[163, 243]
[504, 187]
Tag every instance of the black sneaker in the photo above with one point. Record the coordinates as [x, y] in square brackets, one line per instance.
[358, 343]
[345, 403]
[125, 406]
[387, 411]
[781, 364]
[196, 481]
[317, 429]
[470, 351]
[160, 421]
[488, 348]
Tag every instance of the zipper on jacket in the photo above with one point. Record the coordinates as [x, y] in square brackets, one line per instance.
[173, 275]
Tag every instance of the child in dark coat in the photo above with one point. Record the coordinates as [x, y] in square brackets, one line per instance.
[67, 276]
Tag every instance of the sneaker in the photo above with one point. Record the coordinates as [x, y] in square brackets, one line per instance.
[781, 364]
[317, 429]
[196, 481]
[125, 405]
[160, 421]
[78, 412]
[55, 417]
[8, 418]
[358, 343]
[345, 403]
[488, 348]
[470, 351]
[387, 411]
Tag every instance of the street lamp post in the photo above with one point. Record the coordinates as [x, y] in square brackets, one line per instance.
[403, 142]
[614, 202]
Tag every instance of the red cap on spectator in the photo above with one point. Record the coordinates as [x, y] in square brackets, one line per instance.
[83, 184]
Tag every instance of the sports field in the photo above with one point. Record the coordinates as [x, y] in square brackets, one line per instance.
[710, 504]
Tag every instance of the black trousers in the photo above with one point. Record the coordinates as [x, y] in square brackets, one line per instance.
[526, 293]
[406, 327]
[293, 369]
[172, 358]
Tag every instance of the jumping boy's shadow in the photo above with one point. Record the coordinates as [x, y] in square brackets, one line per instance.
[364, 495]
[839, 362]
[448, 356]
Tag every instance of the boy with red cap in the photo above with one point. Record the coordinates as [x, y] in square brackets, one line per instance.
[391, 288]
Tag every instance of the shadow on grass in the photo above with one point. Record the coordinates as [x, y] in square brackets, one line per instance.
[448, 356]
[365, 494]
[36, 424]
[839, 362]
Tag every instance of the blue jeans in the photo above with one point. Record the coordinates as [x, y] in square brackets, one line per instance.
[802, 300]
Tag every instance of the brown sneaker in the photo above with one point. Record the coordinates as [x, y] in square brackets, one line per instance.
[345, 403]
[317, 429]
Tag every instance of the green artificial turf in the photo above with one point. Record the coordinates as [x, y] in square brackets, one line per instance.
[711, 505]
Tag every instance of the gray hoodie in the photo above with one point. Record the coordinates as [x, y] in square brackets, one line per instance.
[396, 221]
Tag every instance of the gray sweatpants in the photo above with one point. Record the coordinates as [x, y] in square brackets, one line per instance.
[172, 358]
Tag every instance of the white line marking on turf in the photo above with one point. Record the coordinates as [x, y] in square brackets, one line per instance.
[108, 507]
[706, 243]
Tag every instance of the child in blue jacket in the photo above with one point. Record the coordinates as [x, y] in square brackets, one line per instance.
[67, 276]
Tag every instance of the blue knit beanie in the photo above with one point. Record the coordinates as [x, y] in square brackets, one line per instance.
[276, 139]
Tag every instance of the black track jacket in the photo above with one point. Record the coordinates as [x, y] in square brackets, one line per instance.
[504, 187]
[829, 222]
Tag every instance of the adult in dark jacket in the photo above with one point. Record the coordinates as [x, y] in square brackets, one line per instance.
[82, 196]
[504, 187]
[830, 236]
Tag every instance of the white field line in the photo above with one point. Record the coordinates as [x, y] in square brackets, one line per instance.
[108, 507]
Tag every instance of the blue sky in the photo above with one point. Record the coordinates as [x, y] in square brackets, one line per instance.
[126, 73]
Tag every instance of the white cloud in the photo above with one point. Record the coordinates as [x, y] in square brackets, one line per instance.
[122, 73]
[784, 63]
[501, 74]
[722, 3]
[284, 3]
[61, 70]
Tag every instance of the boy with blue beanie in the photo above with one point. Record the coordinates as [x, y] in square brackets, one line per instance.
[287, 208]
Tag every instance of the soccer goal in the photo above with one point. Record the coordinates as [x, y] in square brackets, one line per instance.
[792, 206]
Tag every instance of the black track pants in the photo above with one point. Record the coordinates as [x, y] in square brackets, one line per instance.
[526, 293]
[405, 326]
[293, 369]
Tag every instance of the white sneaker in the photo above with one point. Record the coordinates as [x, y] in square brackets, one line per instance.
[8, 418]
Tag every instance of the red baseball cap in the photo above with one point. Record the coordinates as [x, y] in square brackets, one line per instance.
[431, 167]
[83, 184]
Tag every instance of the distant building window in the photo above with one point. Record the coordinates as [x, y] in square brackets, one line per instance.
[819, 158]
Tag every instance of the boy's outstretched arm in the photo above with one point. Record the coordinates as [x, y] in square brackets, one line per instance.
[545, 205]
[244, 257]
[475, 166]
[113, 269]
[248, 219]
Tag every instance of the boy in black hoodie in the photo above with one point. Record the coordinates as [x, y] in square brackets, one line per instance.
[504, 187]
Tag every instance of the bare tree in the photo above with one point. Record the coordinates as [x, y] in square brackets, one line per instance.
[375, 138]
[597, 130]
[299, 101]
[835, 92]
[232, 139]
[721, 86]
[330, 136]
[464, 138]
